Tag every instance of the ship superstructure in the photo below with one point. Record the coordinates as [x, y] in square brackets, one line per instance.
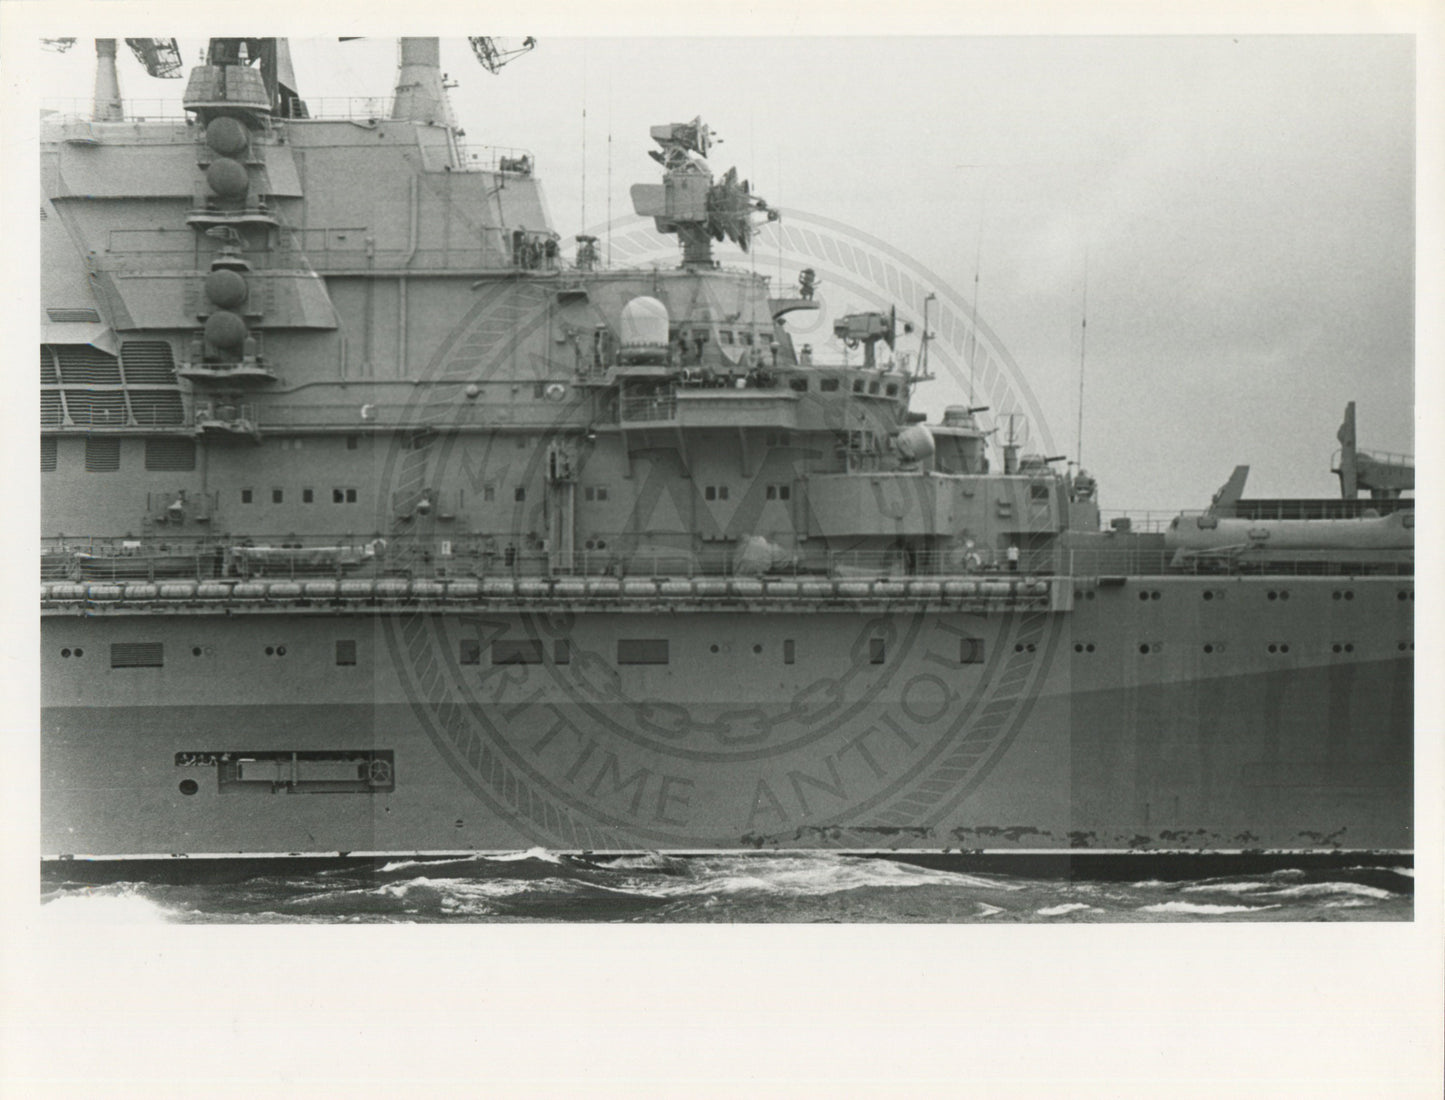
[360, 482]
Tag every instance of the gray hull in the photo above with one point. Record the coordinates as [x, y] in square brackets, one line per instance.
[1131, 722]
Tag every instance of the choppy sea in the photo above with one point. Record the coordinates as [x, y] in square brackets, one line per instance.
[541, 886]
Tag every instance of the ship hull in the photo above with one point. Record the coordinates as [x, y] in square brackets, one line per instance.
[1129, 722]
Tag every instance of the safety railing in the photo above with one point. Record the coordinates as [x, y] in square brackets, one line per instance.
[479, 556]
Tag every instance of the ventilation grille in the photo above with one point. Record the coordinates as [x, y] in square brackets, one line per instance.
[156, 407]
[137, 654]
[48, 452]
[81, 315]
[148, 361]
[86, 365]
[102, 455]
[50, 407]
[170, 454]
[48, 377]
[96, 407]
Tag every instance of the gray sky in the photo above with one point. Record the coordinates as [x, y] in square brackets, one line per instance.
[1246, 206]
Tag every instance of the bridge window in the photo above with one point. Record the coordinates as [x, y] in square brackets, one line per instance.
[828, 385]
[247, 496]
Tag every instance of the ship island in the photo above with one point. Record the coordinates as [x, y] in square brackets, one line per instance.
[379, 518]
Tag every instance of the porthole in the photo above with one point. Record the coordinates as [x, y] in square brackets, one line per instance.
[1349, 595]
[757, 648]
[270, 651]
[1284, 648]
[1156, 595]
[195, 651]
[713, 647]
[280, 651]
[1144, 648]
[1336, 648]
[1209, 594]
[1088, 595]
[1208, 649]
[1272, 595]
[1273, 648]
[1335, 595]
[1089, 648]
[1078, 647]
[189, 786]
[1349, 647]
[1284, 593]
[65, 653]
[1143, 595]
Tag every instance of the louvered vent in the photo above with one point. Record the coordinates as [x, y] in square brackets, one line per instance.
[170, 454]
[48, 452]
[50, 407]
[148, 361]
[47, 367]
[137, 654]
[156, 407]
[80, 315]
[98, 408]
[81, 363]
[102, 455]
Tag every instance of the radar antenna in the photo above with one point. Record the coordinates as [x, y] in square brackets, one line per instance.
[689, 203]
[493, 56]
[160, 56]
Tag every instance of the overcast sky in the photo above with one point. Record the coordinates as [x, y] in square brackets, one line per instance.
[1243, 206]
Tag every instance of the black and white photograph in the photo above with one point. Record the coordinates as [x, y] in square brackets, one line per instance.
[632, 474]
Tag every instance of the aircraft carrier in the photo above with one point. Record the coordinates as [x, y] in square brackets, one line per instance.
[378, 517]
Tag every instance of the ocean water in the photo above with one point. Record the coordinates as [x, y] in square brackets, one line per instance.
[541, 886]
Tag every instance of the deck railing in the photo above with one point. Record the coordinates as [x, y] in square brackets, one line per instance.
[286, 557]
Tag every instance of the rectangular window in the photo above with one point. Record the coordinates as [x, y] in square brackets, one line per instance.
[137, 655]
[876, 651]
[642, 651]
[170, 454]
[346, 652]
[722, 492]
[828, 385]
[277, 496]
[338, 496]
[772, 492]
[857, 385]
[102, 455]
[308, 496]
[350, 496]
[788, 651]
[516, 652]
[1038, 491]
[589, 493]
[562, 652]
[724, 337]
[246, 496]
[601, 492]
[710, 492]
[872, 387]
[470, 652]
[892, 390]
[519, 494]
[352, 442]
[489, 492]
[970, 651]
[48, 452]
[785, 492]
[799, 384]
